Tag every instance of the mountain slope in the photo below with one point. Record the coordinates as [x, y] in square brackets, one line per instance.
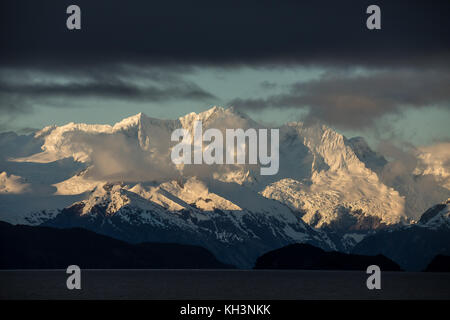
[340, 191]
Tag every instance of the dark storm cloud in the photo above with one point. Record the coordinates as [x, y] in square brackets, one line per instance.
[414, 33]
[176, 35]
[108, 89]
[356, 101]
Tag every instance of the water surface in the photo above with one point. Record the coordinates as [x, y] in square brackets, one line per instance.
[222, 284]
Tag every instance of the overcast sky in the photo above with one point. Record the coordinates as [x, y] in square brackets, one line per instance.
[276, 60]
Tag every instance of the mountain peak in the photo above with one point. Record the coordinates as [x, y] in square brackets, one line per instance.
[437, 216]
[217, 117]
[216, 111]
[130, 121]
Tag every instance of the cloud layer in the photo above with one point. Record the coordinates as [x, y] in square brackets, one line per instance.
[141, 52]
[349, 100]
[420, 174]
[21, 89]
[414, 32]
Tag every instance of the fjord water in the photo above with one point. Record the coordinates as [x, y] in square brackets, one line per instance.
[221, 284]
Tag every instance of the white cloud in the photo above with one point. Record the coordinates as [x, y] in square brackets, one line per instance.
[435, 160]
[12, 184]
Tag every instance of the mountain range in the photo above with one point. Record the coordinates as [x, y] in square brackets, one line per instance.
[118, 180]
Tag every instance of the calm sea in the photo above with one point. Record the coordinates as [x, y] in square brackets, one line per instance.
[220, 284]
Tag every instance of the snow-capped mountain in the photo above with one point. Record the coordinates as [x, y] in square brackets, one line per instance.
[119, 180]
[319, 173]
[337, 190]
[437, 216]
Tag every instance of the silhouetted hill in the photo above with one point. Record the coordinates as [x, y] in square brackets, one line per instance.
[440, 263]
[412, 247]
[307, 257]
[26, 247]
